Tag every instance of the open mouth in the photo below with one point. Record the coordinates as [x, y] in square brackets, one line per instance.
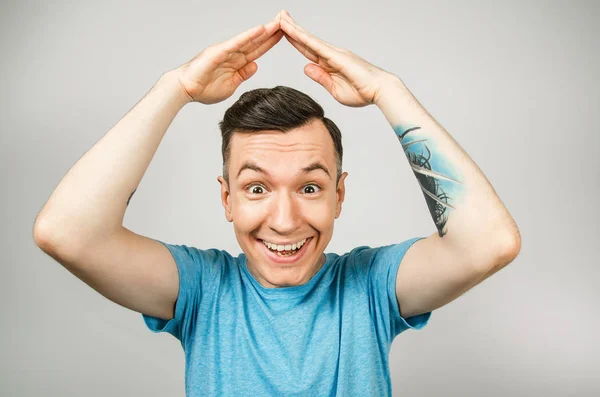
[285, 256]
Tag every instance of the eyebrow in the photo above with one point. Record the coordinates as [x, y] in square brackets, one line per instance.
[248, 165]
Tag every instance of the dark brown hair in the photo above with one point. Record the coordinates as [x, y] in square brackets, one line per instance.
[280, 108]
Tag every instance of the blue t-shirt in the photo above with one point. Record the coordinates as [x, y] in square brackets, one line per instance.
[330, 336]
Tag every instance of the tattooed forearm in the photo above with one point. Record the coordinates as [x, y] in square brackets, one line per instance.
[129, 199]
[468, 214]
[438, 180]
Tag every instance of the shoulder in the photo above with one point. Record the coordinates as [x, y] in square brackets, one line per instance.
[366, 256]
[205, 260]
[367, 262]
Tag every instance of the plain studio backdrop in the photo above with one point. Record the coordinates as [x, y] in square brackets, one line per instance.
[516, 85]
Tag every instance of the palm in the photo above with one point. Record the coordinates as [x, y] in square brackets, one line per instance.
[219, 76]
[349, 91]
[345, 93]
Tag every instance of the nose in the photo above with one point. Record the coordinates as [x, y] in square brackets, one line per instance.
[285, 215]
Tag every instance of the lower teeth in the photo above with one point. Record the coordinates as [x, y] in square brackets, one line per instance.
[288, 254]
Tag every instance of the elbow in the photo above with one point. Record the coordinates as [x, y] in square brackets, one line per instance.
[41, 233]
[496, 252]
[47, 236]
[49, 239]
[510, 247]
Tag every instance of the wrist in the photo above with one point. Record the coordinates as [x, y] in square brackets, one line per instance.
[391, 90]
[397, 103]
[171, 81]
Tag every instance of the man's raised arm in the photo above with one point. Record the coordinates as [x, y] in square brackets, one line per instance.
[81, 225]
[465, 208]
[476, 235]
[91, 200]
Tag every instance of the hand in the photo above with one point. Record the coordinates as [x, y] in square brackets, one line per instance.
[214, 74]
[351, 80]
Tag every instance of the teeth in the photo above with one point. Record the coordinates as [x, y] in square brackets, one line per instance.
[275, 247]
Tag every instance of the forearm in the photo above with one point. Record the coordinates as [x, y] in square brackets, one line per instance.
[465, 208]
[91, 200]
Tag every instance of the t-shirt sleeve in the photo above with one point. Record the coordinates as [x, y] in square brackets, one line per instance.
[378, 268]
[194, 266]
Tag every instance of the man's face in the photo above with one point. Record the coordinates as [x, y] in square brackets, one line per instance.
[279, 194]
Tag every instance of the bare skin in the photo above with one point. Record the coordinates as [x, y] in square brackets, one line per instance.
[81, 224]
[283, 205]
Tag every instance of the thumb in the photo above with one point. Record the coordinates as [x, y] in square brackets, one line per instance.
[316, 73]
[246, 72]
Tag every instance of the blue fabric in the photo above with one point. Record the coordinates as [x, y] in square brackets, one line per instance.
[330, 336]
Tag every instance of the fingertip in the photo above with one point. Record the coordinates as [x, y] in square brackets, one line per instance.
[287, 14]
[284, 15]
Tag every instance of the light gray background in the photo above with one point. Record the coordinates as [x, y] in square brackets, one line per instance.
[516, 84]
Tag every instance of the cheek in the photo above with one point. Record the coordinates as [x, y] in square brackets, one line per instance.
[320, 215]
[247, 215]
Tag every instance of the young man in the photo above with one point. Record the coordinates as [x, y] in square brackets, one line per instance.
[283, 318]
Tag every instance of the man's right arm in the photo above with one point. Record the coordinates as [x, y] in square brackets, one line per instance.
[81, 225]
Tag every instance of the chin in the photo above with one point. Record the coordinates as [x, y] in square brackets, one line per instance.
[286, 279]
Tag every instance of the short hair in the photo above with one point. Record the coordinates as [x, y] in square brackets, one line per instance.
[280, 108]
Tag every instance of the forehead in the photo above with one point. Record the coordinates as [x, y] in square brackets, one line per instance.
[275, 149]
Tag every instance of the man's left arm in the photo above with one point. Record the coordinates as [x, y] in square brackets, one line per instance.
[476, 235]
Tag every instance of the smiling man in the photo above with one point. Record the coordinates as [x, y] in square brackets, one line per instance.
[284, 317]
[282, 186]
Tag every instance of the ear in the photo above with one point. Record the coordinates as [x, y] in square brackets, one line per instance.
[341, 194]
[225, 198]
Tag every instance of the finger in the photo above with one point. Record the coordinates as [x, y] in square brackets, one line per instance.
[270, 30]
[320, 76]
[266, 46]
[288, 18]
[315, 45]
[242, 39]
[243, 74]
[302, 49]
[275, 22]
[246, 72]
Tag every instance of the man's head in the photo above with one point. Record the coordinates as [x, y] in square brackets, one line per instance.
[282, 181]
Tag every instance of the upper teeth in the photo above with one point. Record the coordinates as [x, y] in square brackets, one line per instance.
[284, 247]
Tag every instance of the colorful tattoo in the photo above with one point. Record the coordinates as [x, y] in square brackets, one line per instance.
[437, 180]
